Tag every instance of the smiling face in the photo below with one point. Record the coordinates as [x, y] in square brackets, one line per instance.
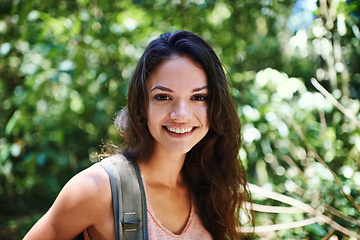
[177, 110]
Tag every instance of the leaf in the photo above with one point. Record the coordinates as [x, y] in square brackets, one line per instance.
[12, 123]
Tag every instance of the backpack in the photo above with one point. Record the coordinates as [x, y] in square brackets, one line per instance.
[128, 195]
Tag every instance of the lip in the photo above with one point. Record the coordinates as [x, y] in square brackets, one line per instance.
[179, 135]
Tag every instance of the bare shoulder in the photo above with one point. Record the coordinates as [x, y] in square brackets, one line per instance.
[91, 181]
[91, 184]
[87, 192]
[85, 201]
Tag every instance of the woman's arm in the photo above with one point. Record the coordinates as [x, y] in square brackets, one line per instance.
[79, 205]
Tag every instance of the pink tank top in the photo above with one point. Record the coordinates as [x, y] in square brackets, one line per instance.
[194, 230]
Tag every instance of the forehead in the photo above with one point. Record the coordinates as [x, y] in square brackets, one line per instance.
[178, 72]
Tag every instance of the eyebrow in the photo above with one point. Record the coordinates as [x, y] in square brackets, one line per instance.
[162, 88]
[201, 88]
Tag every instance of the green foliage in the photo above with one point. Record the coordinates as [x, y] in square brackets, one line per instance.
[64, 68]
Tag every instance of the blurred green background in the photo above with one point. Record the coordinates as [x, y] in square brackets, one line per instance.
[65, 65]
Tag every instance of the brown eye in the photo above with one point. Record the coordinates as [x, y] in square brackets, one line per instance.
[200, 97]
[162, 97]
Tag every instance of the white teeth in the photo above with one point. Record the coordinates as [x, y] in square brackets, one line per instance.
[179, 130]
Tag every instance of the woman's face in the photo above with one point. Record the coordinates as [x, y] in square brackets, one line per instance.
[177, 110]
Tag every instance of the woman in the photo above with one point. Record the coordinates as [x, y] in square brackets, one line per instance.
[181, 127]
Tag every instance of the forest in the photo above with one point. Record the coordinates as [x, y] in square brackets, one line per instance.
[294, 72]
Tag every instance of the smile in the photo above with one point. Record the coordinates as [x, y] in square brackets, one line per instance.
[179, 130]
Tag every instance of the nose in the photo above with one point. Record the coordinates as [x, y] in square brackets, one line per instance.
[180, 111]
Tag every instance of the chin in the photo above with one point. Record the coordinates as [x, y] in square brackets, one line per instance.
[180, 150]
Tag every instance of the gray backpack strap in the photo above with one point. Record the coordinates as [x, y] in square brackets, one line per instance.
[143, 203]
[129, 200]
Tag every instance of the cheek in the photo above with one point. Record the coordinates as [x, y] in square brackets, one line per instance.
[203, 115]
[154, 116]
[205, 120]
[152, 112]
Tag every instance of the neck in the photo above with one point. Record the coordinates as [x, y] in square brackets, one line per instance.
[163, 168]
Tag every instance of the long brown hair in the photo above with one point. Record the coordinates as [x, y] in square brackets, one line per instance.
[212, 168]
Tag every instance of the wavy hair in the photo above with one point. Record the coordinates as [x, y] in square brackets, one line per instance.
[212, 168]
